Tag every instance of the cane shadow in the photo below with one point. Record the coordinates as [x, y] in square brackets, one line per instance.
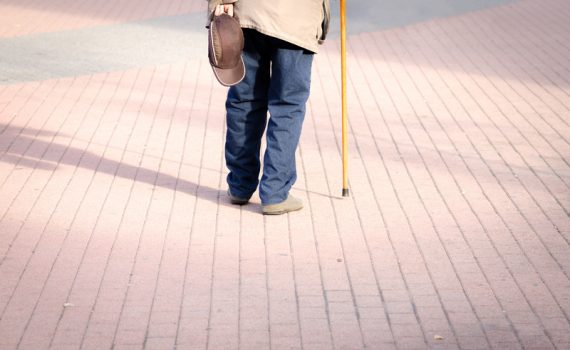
[26, 148]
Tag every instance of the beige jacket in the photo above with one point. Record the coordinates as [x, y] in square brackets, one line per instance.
[300, 22]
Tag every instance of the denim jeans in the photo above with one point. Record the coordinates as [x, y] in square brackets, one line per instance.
[277, 81]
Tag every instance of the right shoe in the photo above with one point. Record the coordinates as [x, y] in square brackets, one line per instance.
[290, 204]
[237, 200]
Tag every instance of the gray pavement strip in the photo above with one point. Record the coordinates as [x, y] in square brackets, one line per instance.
[366, 16]
[103, 48]
[171, 39]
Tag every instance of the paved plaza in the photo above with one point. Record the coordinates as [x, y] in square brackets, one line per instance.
[115, 228]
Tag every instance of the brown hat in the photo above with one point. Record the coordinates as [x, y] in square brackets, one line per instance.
[225, 43]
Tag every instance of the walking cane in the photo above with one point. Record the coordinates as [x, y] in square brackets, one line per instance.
[345, 191]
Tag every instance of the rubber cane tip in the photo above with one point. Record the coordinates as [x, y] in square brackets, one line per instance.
[345, 192]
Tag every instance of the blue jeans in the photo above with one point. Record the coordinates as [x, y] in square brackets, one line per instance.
[277, 80]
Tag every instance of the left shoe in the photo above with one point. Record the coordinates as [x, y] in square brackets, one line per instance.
[288, 205]
[237, 200]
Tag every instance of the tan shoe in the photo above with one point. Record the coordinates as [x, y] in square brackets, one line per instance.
[290, 204]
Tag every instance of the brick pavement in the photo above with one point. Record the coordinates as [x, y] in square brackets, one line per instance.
[115, 231]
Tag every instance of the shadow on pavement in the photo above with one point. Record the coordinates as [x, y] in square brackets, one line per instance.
[46, 155]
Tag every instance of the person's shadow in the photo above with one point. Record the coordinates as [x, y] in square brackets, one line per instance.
[25, 148]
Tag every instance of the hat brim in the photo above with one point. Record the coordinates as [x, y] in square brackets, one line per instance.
[231, 76]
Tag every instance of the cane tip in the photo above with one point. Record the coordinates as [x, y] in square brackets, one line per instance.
[345, 192]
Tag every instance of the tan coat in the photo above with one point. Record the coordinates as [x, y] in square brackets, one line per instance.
[300, 22]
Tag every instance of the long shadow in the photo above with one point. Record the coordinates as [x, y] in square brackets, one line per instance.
[47, 155]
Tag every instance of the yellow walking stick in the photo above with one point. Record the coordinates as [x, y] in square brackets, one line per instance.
[345, 191]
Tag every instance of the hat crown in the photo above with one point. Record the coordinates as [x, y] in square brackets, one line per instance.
[226, 42]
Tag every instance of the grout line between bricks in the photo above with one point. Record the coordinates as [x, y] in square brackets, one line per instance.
[94, 307]
[33, 205]
[495, 208]
[194, 211]
[519, 181]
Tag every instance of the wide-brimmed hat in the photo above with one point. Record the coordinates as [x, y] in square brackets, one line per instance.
[225, 44]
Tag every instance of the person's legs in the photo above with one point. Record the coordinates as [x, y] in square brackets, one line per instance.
[246, 107]
[288, 93]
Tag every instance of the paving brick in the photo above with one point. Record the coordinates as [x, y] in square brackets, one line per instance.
[115, 229]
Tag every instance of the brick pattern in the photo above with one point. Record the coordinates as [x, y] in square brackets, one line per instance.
[115, 231]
